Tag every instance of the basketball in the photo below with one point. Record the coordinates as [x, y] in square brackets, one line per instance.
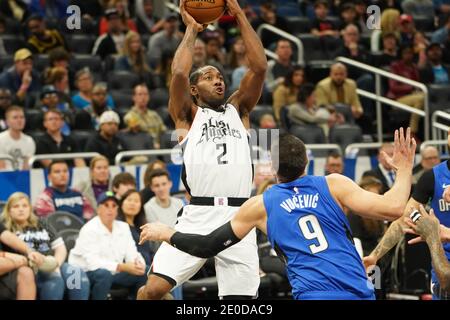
[205, 11]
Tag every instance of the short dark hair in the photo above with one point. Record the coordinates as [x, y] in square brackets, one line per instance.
[150, 168]
[58, 54]
[13, 108]
[34, 17]
[194, 76]
[334, 155]
[292, 158]
[321, 3]
[55, 111]
[123, 178]
[55, 162]
[305, 91]
[158, 173]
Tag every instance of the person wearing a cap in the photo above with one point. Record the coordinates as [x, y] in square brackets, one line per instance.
[106, 141]
[21, 79]
[113, 41]
[106, 251]
[122, 10]
[434, 72]
[167, 39]
[43, 40]
[147, 19]
[99, 103]
[407, 29]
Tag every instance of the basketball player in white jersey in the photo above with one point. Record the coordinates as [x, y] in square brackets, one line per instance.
[217, 168]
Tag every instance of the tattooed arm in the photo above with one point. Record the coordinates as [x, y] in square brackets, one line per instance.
[428, 228]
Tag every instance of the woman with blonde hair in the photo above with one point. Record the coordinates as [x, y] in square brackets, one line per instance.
[99, 181]
[53, 276]
[389, 23]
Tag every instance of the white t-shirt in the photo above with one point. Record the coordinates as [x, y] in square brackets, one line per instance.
[168, 216]
[20, 149]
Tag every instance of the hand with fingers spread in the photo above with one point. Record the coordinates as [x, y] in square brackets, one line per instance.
[418, 229]
[156, 231]
[188, 20]
[404, 151]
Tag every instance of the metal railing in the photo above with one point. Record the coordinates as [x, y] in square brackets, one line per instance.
[159, 152]
[380, 99]
[284, 34]
[325, 146]
[439, 130]
[349, 150]
[7, 157]
[61, 156]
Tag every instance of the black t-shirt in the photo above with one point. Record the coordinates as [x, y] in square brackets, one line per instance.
[323, 25]
[41, 238]
[424, 189]
[280, 70]
[46, 145]
[109, 149]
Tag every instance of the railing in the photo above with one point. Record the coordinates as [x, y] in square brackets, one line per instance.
[159, 152]
[380, 99]
[61, 156]
[349, 150]
[439, 127]
[283, 34]
[325, 146]
[7, 157]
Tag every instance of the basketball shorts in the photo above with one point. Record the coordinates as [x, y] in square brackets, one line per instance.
[237, 267]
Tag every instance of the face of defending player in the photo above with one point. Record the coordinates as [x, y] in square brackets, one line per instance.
[210, 88]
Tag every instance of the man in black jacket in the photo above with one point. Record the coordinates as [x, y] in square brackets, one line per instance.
[384, 171]
[113, 41]
[434, 71]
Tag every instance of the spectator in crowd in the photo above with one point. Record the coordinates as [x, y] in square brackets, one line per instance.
[14, 142]
[268, 15]
[442, 7]
[58, 77]
[99, 180]
[407, 29]
[99, 104]
[167, 39]
[441, 35]
[446, 52]
[17, 280]
[106, 251]
[389, 23]
[50, 9]
[21, 79]
[162, 207]
[53, 282]
[121, 183]
[384, 171]
[237, 76]
[84, 81]
[390, 48]
[126, 24]
[337, 88]
[135, 138]
[434, 72]
[321, 25]
[214, 53]
[430, 158]
[15, 9]
[405, 93]
[60, 197]
[418, 8]
[164, 71]
[5, 102]
[131, 211]
[54, 141]
[199, 56]
[334, 164]
[278, 69]
[237, 55]
[147, 192]
[267, 121]
[105, 141]
[369, 231]
[362, 16]
[287, 92]
[60, 58]
[149, 121]
[420, 45]
[306, 111]
[112, 42]
[41, 39]
[263, 172]
[348, 16]
[50, 101]
[147, 21]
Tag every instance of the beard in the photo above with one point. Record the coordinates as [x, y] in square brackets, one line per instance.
[214, 103]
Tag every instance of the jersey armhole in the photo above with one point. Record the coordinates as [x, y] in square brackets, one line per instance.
[330, 199]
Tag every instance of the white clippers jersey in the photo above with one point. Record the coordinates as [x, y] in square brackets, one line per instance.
[216, 154]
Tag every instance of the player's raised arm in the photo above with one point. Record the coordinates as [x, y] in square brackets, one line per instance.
[252, 214]
[252, 84]
[391, 205]
[180, 101]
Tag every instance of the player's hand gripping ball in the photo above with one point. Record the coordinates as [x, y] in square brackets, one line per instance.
[205, 11]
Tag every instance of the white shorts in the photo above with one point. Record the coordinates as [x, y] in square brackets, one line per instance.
[237, 268]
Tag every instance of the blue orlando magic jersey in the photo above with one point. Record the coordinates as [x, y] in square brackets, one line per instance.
[440, 207]
[313, 234]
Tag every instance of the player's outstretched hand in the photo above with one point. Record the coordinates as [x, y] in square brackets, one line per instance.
[404, 150]
[155, 232]
[426, 226]
[188, 19]
[444, 232]
[233, 7]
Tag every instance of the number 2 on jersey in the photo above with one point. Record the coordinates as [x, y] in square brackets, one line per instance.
[310, 227]
[220, 159]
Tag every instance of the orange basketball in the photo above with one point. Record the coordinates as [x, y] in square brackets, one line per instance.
[205, 11]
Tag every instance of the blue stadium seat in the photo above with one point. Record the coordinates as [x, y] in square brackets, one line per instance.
[158, 98]
[81, 43]
[12, 42]
[297, 24]
[345, 134]
[120, 80]
[309, 134]
[313, 49]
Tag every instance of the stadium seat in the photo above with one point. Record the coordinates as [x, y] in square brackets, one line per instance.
[122, 99]
[12, 26]
[424, 23]
[439, 97]
[81, 43]
[34, 119]
[298, 25]
[94, 63]
[88, 27]
[309, 134]
[158, 98]
[345, 134]
[288, 10]
[70, 237]
[36, 134]
[61, 220]
[285, 121]
[12, 42]
[82, 121]
[119, 80]
[6, 62]
[81, 137]
[346, 111]
[313, 47]
[41, 62]
[318, 70]
[165, 116]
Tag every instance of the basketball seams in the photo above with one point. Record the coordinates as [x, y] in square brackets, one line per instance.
[203, 8]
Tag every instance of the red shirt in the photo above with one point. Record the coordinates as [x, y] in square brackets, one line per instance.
[399, 89]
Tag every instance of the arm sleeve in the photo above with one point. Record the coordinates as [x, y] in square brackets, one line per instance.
[424, 188]
[205, 246]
